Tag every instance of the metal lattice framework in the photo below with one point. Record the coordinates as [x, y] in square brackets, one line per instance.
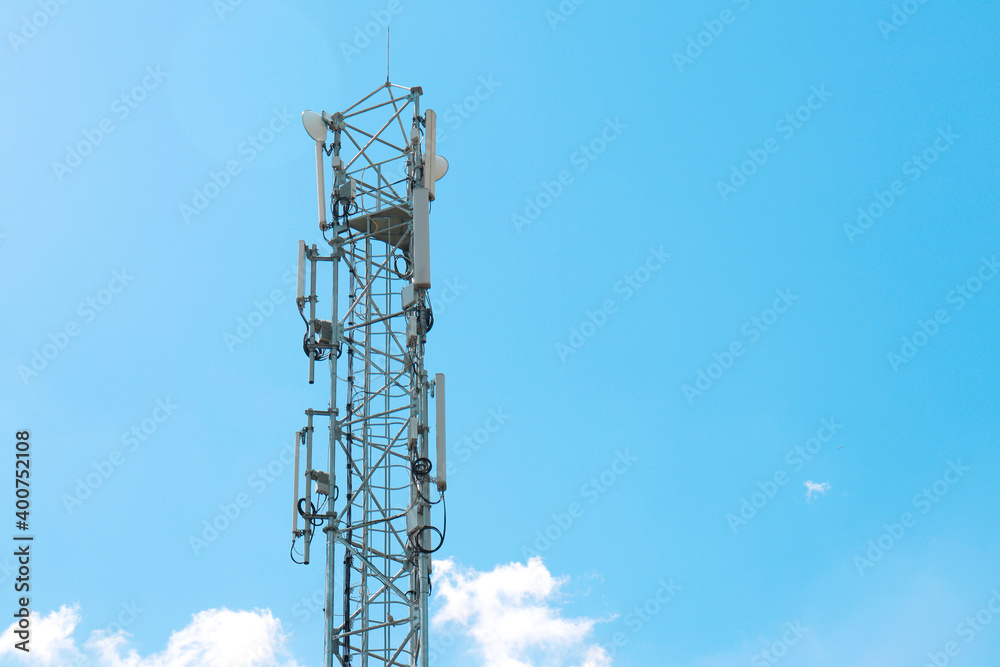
[374, 502]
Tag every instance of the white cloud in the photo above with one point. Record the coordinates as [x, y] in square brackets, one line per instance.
[814, 488]
[214, 638]
[512, 616]
[51, 640]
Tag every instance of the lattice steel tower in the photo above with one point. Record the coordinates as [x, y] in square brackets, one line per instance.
[368, 485]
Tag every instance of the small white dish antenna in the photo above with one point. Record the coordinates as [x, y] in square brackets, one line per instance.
[440, 167]
[315, 125]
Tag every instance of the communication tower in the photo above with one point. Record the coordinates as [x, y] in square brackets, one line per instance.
[368, 484]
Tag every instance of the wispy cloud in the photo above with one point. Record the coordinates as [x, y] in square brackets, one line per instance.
[814, 488]
[512, 616]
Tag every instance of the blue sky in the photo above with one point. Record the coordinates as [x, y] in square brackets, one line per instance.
[724, 271]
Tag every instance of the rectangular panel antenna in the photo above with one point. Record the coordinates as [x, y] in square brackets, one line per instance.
[300, 289]
[430, 150]
[421, 244]
[442, 463]
[320, 185]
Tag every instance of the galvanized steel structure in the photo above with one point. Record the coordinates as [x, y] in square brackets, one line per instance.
[366, 483]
